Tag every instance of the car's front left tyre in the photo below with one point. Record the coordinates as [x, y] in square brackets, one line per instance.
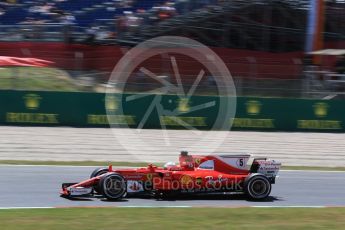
[113, 186]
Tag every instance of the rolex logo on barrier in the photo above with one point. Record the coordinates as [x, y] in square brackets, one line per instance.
[253, 107]
[323, 122]
[321, 109]
[184, 105]
[111, 103]
[32, 101]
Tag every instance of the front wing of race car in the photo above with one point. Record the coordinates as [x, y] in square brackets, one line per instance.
[84, 188]
[68, 190]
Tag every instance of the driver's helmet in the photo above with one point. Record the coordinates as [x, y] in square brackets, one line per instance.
[170, 164]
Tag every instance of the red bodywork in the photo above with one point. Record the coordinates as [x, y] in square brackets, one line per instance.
[187, 176]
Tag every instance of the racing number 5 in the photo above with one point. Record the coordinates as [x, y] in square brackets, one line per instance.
[241, 162]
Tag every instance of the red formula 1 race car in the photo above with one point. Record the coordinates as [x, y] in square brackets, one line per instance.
[193, 175]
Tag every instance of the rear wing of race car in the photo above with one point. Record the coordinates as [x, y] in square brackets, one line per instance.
[255, 165]
[269, 168]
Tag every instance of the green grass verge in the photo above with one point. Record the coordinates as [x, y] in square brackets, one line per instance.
[34, 78]
[313, 168]
[173, 218]
[137, 164]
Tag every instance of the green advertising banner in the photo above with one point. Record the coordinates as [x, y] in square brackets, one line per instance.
[278, 114]
[168, 111]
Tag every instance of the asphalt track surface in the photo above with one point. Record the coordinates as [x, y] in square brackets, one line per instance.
[38, 186]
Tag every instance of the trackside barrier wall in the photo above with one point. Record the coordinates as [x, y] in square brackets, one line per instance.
[88, 110]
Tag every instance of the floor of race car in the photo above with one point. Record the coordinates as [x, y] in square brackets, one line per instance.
[39, 186]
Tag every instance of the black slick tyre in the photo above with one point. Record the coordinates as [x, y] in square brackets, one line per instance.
[257, 186]
[113, 186]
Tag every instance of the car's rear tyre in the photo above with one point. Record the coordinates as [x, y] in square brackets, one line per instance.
[113, 186]
[257, 186]
[98, 172]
